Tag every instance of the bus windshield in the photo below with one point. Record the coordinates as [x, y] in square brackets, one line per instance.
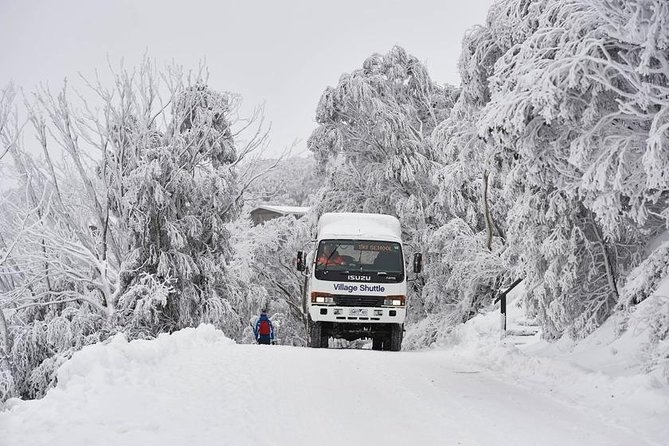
[381, 261]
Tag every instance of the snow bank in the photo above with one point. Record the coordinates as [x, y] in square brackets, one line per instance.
[605, 373]
[101, 363]
[196, 387]
[97, 368]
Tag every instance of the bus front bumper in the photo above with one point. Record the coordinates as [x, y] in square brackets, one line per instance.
[375, 315]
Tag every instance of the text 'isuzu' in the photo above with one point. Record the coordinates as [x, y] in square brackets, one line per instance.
[356, 280]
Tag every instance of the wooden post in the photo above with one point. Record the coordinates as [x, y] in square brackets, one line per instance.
[502, 312]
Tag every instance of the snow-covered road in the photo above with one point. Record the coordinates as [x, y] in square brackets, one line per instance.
[197, 387]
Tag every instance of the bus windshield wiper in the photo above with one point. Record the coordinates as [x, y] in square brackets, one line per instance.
[327, 261]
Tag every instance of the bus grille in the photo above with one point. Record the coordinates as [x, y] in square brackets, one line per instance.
[358, 301]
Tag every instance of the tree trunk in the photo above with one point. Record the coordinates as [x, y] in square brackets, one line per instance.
[5, 348]
[486, 212]
[610, 273]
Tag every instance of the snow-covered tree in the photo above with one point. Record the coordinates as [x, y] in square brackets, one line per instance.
[288, 181]
[124, 216]
[595, 73]
[264, 269]
[373, 133]
[578, 100]
[172, 189]
[465, 267]
[7, 98]
[392, 141]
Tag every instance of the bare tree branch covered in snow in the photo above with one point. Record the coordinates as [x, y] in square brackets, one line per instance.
[289, 181]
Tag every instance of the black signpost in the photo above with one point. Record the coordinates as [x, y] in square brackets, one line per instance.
[502, 306]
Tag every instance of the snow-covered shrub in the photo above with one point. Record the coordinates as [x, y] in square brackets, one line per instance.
[46, 341]
[427, 330]
[461, 277]
[7, 385]
[659, 335]
[647, 285]
[644, 280]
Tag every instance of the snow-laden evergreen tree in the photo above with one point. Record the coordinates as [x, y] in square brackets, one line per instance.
[174, 193]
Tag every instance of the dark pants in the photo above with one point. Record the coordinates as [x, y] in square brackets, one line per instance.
[264, 339]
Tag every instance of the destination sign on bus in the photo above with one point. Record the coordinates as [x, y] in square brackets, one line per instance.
[375, 246]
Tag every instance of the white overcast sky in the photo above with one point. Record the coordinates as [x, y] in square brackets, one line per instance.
[282, 53]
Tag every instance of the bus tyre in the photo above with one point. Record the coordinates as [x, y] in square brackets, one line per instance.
[317, 335]
[377, 343]
[396, 334]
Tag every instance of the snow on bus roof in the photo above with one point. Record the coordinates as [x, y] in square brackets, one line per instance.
[359, 226]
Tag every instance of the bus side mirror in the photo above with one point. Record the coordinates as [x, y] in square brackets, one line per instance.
[417, 262]
[300, 261]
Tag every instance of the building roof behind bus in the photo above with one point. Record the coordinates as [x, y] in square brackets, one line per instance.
[349, 225]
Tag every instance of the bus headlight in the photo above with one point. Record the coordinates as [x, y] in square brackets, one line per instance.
[395, 301]
[321, 298]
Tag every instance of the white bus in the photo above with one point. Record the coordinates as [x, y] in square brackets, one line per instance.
[357, 282]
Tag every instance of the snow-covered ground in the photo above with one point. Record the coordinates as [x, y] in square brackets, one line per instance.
[198, 387]
[603, 375]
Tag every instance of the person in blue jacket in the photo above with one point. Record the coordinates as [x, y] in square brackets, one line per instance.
[264, 330]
